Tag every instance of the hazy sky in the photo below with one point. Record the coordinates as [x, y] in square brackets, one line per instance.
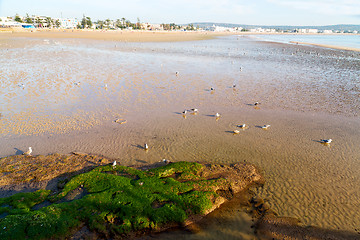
[261, 12]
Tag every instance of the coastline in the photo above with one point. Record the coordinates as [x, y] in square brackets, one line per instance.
[327, 46]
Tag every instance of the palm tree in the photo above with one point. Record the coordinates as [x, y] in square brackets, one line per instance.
[118, 23]
[48, 21]
[28, 19]
[38, 22]
[100, 24]
[17, 18]
[107, 23]
[57, 23]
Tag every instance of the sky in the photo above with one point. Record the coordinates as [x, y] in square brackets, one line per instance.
[252, 12]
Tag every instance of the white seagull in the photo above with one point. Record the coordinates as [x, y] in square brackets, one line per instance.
[217, 115]
[236, 131]
[184, 112]
[165, 161]
[326, 140]
[242, 126]
[114, 164]
[146, 147]
[256, 103]
[28, 152]
[265, 126]
[212, 89]
[176, 73]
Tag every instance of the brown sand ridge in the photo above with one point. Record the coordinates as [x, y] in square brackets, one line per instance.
[126, 36]
[20, 172]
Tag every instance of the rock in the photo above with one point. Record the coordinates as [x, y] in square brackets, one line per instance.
[116, 202]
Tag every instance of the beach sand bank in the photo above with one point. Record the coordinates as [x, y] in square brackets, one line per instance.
[125, 36]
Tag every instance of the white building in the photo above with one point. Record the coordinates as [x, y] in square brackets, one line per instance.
[39, 21]
[327, 31]
[223, 29]
[8, 22]
[152, 26]
[68, 23]
[307, 30]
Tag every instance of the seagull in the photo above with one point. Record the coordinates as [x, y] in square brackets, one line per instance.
[256, 103]
[236, 131]
[240, 69]
[77, 83]
[146, 147]
[106, 85]
[184, 112]
[28, 152]
[242, 126]
[176, 73]
[114, 164]
[165, 161]
[194, 110]
[212, 89]
[326, 141]
[217, 115]
[265, 126]
[234, 85]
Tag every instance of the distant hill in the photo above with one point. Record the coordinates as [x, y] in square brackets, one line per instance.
[340, 27]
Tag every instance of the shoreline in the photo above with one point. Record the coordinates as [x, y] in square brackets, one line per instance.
[327, 46]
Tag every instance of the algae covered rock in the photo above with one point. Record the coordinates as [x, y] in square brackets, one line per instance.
[118, 201]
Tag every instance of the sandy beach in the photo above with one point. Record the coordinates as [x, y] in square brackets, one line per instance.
[126, 35]
[69, 91]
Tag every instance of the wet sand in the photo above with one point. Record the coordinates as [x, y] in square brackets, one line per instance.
[328, 46]
[306, 94]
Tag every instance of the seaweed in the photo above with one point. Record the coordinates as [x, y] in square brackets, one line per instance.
[116, 201]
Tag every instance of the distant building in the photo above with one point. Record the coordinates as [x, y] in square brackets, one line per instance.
[7, 22]
[39, 21]
[306, 30]
[152, 27]
[68, 23]
[223, 29]
[328, 31]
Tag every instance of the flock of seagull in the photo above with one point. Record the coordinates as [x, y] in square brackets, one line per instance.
[194, 111]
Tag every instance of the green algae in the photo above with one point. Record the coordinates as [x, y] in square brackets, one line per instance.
[114, 201]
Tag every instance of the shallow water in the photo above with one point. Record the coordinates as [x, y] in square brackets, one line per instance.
[341, 40]
[306, 94]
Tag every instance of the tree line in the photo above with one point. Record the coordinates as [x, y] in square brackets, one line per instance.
[86, 22]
